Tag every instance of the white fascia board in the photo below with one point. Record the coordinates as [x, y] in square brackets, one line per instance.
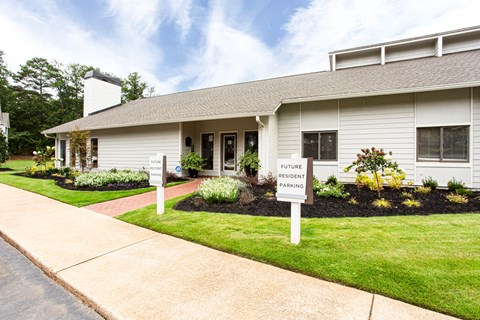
[183, 120]
[380, 93]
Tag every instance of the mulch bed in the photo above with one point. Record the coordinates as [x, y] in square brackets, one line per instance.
[432, 203]
[68, 183]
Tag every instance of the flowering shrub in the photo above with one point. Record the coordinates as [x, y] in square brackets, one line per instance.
[42, 157]
[374, 183]
[223, 189]
[395, 178]
[105, 178]
[374, 161]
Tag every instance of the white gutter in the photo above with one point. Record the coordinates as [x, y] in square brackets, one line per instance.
[46, 136]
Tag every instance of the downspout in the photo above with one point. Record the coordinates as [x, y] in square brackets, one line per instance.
[257, 118]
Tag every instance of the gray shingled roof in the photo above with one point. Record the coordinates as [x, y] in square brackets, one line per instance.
[263, 97]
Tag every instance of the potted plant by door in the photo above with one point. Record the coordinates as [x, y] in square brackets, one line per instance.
[249, 163]
[193, 163]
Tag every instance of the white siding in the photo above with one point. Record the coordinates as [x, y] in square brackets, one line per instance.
[476, 137]
[320, 115]
[382, 122]
[131, 147]
[358, 58]
[412, 50]
[289, 136]
[443, 107]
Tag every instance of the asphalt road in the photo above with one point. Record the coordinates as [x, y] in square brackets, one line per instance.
[27, 293]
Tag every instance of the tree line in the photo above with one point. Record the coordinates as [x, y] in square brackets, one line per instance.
[43, 94]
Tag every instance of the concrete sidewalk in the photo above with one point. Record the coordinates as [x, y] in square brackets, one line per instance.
[127, 272]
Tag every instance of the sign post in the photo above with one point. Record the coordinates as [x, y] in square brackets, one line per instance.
[158, 170]
[295, 185]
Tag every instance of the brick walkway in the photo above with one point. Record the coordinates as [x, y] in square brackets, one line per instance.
[119, 206]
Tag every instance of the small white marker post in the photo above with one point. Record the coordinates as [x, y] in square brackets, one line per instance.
[295, 185]
[157, 178]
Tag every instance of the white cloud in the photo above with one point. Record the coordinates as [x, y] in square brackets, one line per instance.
[328, 25]
[228, 55]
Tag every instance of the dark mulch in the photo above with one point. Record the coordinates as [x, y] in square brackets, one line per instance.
[432, 203]
[5, 169]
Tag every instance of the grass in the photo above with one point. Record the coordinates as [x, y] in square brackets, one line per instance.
[430, 261]
[15, 165]
[49, 189]
[76, 198]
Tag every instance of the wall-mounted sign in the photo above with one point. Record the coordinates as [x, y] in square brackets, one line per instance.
[158, 170]
[295, 180]
[178, 169]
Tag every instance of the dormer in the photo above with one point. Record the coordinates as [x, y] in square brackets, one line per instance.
[438, 44]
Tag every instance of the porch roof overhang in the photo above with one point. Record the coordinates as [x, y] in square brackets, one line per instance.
[264, 97]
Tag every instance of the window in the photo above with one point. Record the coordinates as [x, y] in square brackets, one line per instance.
[63, 152]
[94, 152]
[443, 143]
[251, 141]
[207, 150]
[320, 145]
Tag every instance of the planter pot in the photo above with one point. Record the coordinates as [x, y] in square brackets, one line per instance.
[250, 172]
[193, 173]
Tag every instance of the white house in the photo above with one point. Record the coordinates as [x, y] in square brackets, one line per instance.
[418, 97]
[4, 122]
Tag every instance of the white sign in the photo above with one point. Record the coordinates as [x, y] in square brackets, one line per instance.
[292, 180]
[157, 171]
[295, 185]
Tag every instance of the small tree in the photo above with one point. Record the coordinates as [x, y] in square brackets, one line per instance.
[78, 144]
[41, 157]
[3, 149]
[376, 162]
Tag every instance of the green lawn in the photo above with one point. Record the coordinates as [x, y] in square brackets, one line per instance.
[15, 165]
[77, 198]
[430, 261]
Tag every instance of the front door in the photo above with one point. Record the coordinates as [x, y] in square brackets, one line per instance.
[229, 152]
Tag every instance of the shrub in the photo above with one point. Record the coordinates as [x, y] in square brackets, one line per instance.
[430, 182]
[352, 201]
[105, 178]
[381, 203]
[456, 198]
[374, 184]
[395, 179]
[217, 190]
[42, 157]
[269, 194]
[454, 185]
[373, 161]
[332, 180]
[270, 180]
[412, 203]
[30, 171]
[192, 161]
[329, 190]
[464, 192]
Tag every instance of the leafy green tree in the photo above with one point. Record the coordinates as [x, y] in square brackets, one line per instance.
[133, 88]
[3, 149]
[78, 145]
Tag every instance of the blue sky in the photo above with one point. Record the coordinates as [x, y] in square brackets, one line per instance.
[179, 45]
